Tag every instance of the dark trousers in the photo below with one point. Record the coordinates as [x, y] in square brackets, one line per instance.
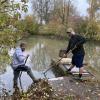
[22, 68]
[77, 60]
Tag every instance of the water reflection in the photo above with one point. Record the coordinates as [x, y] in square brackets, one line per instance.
[40, 58]
[93, 55]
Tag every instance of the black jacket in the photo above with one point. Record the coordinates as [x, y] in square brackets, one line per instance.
[78, 41]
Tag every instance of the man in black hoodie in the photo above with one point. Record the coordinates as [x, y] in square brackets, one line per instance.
[76, 45]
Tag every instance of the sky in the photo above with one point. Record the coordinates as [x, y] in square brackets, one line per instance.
[81, 6]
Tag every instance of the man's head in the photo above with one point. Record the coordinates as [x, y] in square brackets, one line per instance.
[22, 46]
[70, 32]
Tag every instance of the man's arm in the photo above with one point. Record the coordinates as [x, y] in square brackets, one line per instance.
[71, 45]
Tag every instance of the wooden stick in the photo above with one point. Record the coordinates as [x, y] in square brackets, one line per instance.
[53, 65]
[20, 76]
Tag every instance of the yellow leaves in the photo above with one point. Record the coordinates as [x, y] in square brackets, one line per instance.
[8, 37]
[40, 91]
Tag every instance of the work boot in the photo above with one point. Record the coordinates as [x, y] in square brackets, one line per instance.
[36, 81]
[68, 71]
[79, 79]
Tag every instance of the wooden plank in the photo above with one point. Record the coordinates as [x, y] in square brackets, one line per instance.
[65, 61]
[54, 79]
[75, 71]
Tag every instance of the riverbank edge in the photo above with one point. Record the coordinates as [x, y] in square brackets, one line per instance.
[53, 36]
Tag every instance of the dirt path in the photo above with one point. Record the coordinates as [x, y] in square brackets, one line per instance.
[70, 89]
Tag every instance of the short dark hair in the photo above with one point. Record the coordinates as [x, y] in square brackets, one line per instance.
[68, 32]
[22, 44]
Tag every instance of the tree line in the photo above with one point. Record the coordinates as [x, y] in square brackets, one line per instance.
[50, 17]
[63, 14]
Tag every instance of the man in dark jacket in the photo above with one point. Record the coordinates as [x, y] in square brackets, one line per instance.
[76, 45]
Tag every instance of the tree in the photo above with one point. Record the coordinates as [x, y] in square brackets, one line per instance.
[64, 9]
[10, 11]
[93, 27]
[42, 9]
[94, 9]
[27, 25]
[12, 7]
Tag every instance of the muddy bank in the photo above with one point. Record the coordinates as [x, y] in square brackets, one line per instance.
[68, 87]
[61, 88]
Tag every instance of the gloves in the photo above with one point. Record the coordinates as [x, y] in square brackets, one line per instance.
[27, 55]
[65, 56]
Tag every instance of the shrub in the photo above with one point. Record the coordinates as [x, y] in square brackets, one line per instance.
[28, 25]
[53, 28]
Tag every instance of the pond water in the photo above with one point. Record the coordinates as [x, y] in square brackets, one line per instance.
[41, 51]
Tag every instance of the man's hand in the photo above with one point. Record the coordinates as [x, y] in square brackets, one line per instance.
[27, 55]
[65, 56]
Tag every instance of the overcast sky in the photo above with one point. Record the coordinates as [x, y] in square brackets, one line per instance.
[81, 6]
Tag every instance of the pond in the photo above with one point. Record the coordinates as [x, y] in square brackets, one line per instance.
[42, 50]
